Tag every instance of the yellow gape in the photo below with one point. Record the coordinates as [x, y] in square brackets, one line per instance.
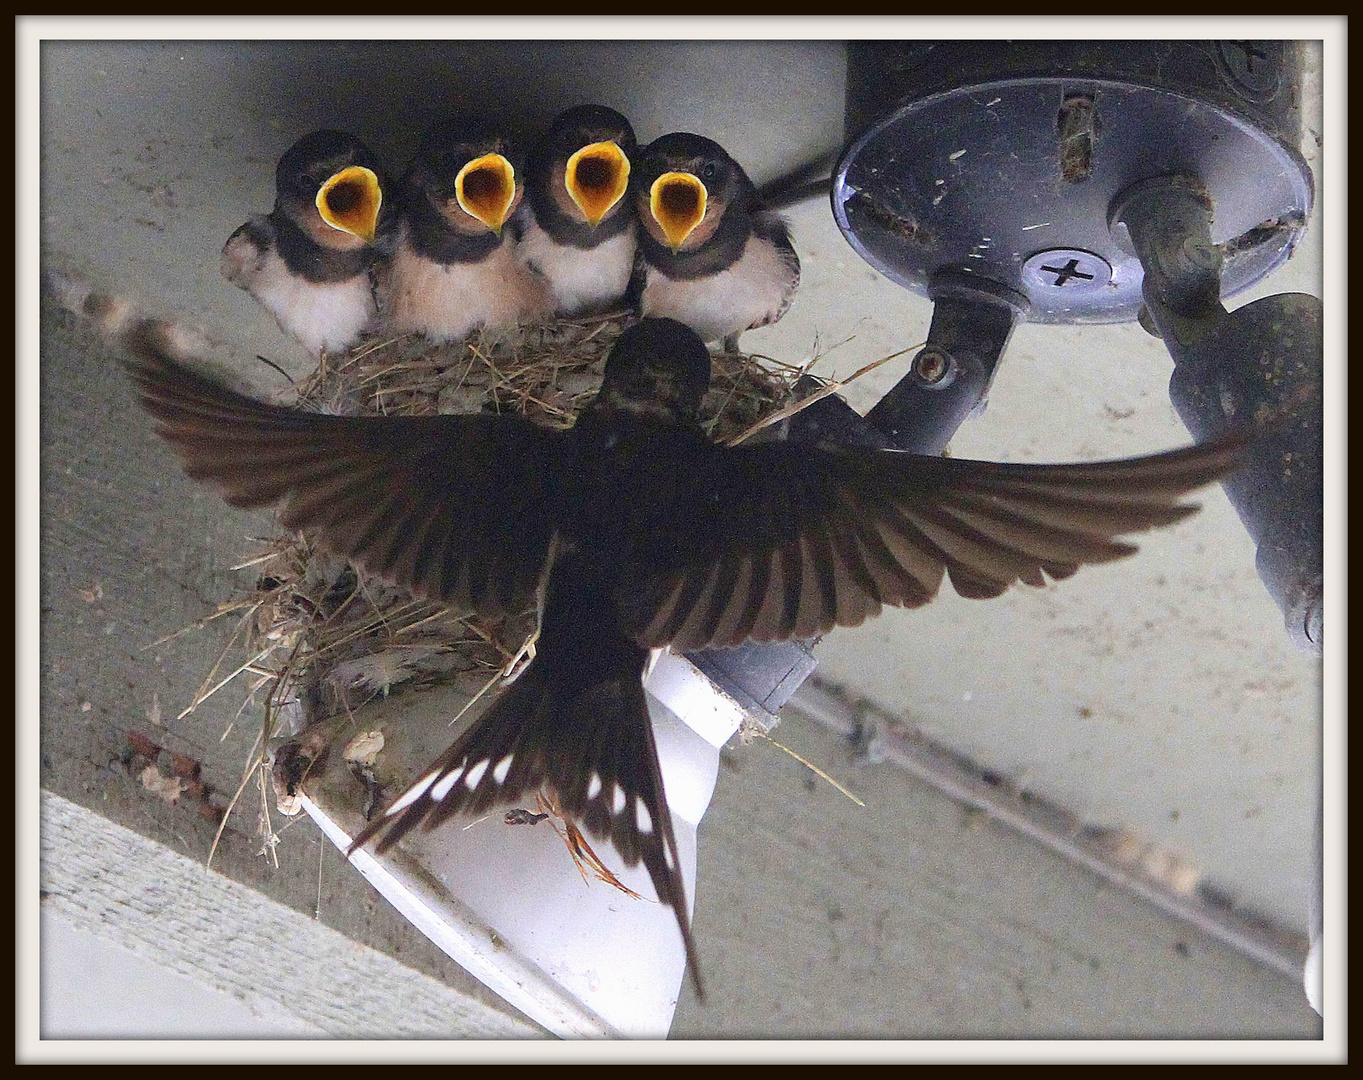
[486, 188]
[597, 177]
[677, 201]
[350, 201]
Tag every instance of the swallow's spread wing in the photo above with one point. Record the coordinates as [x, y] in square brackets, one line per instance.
[785, 540]
[453, 507]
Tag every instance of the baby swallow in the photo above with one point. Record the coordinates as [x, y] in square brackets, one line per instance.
[713, 257]
[633, 531]
[580, 232]
[308, 261]
[455, 267]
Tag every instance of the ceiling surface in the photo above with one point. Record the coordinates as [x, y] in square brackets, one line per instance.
[1158, 695]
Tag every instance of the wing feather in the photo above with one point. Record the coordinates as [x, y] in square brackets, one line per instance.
[454, 508]
[787, 540]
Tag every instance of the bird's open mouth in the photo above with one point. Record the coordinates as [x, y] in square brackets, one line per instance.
[350, 201]
[486, 188]
[677, 201]
[597, 177]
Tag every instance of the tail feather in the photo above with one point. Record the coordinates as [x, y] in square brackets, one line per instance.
[119, 322]
[592, 745]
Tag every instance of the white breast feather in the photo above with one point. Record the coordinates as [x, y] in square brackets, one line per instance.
[322, 317]
[580, 280]
[447, 303]
[747, 294]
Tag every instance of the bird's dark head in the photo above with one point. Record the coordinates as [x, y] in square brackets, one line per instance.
[332, 185]
[683, 186]
[468, 174]
[658, 368]
[583, 164]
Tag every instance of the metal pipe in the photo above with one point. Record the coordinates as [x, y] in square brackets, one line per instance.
[1264, 360]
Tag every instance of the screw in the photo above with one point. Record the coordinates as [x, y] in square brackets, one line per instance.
[1252, 65]
[932, 365]
[1069, 272]
[1071, 269]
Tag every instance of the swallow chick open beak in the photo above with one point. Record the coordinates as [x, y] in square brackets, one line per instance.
[677, 202]
[350, 200]
[485, 189]
[597, 177]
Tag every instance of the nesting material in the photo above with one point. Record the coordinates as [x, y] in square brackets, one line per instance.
[325, 639]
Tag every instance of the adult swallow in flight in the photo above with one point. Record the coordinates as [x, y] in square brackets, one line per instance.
[308, 261]
[713, 257]
[633, 531]
[455, 267]
[580, 232]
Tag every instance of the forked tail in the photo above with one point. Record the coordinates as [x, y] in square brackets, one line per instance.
[577, 721]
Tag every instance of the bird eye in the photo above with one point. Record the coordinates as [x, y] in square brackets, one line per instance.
[709, 170]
